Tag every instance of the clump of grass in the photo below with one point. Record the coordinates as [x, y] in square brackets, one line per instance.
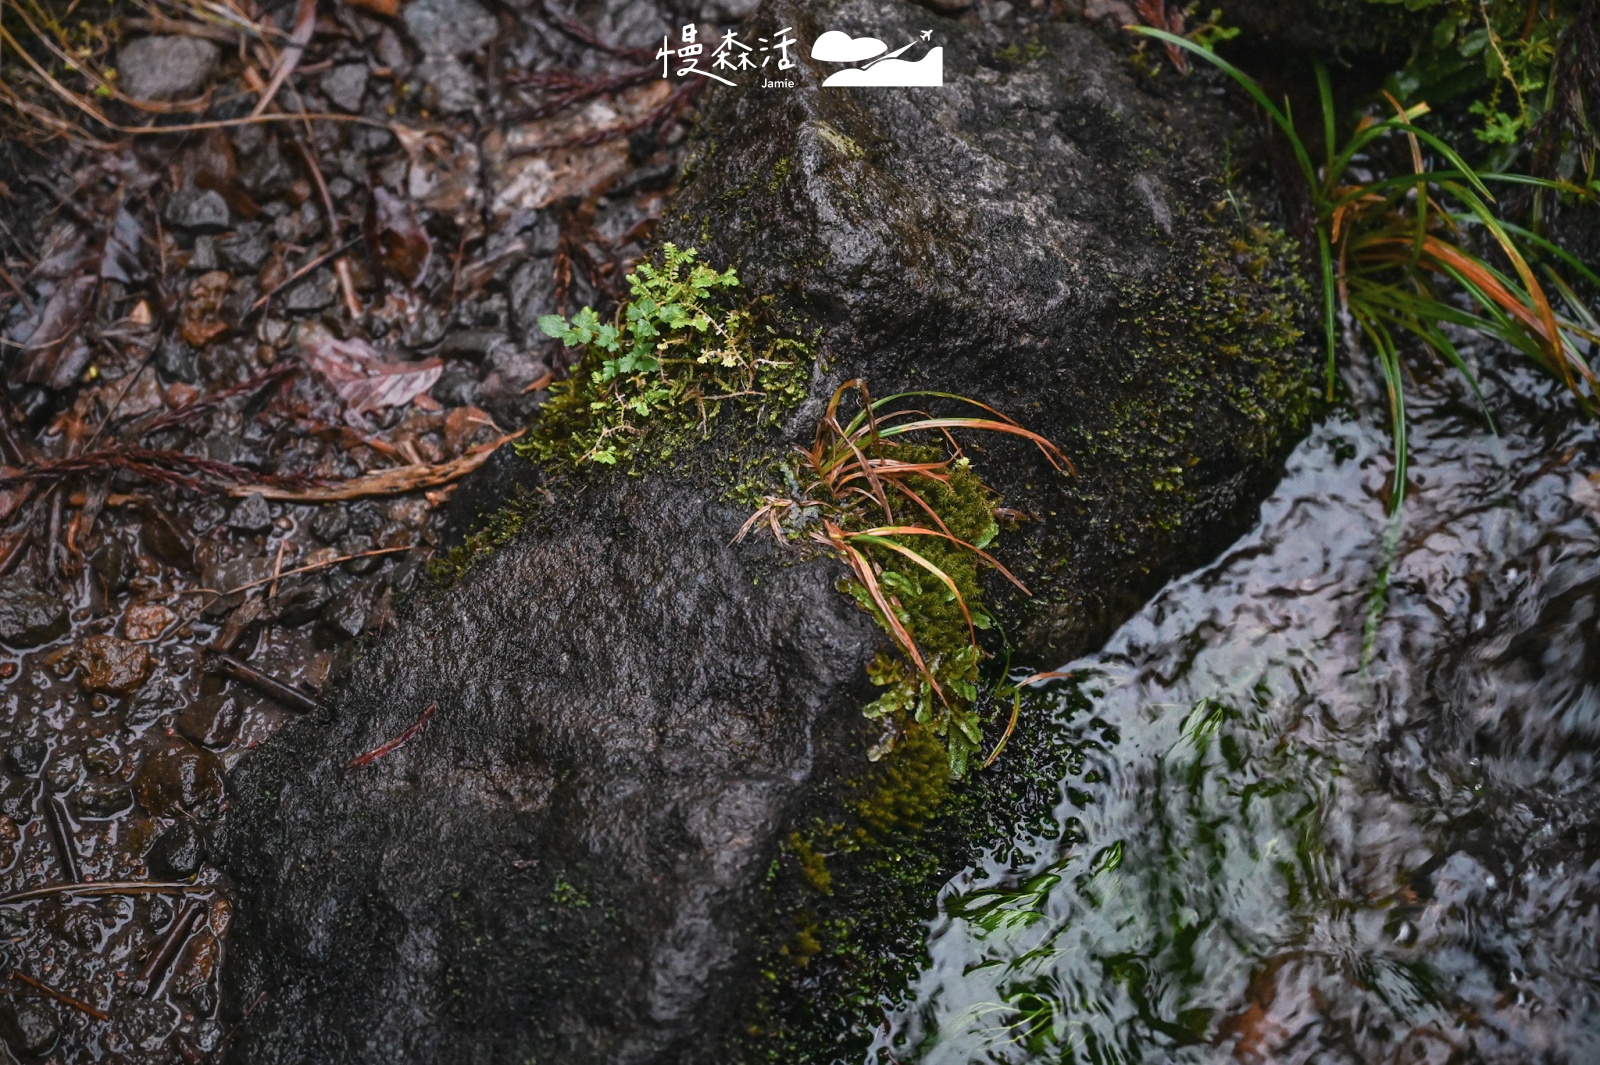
[912, 521]
[1400, 255]
[672, 353]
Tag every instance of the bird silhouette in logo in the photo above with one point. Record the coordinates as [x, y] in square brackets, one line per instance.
[881, 68]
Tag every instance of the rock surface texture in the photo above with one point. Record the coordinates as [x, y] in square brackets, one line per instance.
[565, 862]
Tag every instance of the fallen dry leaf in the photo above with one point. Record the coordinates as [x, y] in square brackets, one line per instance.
[201, 321]
[362, 376]
[399, 244]
[394, 481]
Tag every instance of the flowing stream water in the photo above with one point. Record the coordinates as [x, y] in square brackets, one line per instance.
[1306, 825]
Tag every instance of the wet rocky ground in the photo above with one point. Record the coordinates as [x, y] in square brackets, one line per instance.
[266, 293]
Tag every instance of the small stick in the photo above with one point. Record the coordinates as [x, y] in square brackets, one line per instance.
[11, 283]
[107, 887]
[302, 272]
[55, 812]
[314, 566]
[293, 698]
[159, 967]
[395, 744]
[277, 569]
[64, 999]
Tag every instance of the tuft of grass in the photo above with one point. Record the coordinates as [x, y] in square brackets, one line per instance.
[1400, 254]
[912, 522]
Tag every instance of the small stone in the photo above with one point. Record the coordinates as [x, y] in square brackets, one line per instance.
[363, 563]
[346, 616]
[198, 210]
[146, 621]
[147, 1022]
[27, 756]
[449, 27]
[204, 256]
[113, 666]
[180, 779]
[300, 599]
[150, 704]
[113, 563]
[103, 800]
[253, 515]
[63, 773]
[269, 174]
[329, 524]
[177, 361]
[30, 1026]
[177, 853]
[319, 290]
[448, 85]
[246, 250]
[210, 722]
[345, 85]
[165, 68]
[29, 618]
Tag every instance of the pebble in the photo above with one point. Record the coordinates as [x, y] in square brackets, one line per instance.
[345, 85]
[330, 524]
[103, 800]
[177, 853]
[246, 250]
[30, 1026]
[197, 210]
[212, 722]
[113, 563]
[165, 68]
[346, 616]
[316, 292]
[146, 621]
[27, 756]
[29, 618]
[177, 361]
[448, 27]
[113, 666]
[252, 515]
[180, 779]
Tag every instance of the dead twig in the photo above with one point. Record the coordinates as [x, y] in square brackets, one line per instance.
[60, 996]
[293, 698]
[300, 273]
[156, 970]
[395, 744]
[305, 21]
[105, 887]
[396, 480]
[310, 568]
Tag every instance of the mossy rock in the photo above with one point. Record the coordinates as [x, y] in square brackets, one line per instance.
[641, 825]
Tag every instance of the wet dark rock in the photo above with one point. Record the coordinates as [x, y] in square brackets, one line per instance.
[30, 1026]
[112, 665]
[448, 27]
[29, 618]
[197, 210]
[64, 772]
[177, 361]
[503, 392]
[362, 563]
[532, 295]
[346, 615]
[345, 85]
[633, 712]
[253, 514]
[210, 722]
[330, 523]
[96, 799]
[270, 173]
[113, 563]
[180, 779]
[300, 599]
[27, 756]
[204, 256]
[147, 1023]
[177, 853]
[246, 250]
[165, 68]
[457, 386]
[319, 290]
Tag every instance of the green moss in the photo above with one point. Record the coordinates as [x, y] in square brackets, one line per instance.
[499, 529]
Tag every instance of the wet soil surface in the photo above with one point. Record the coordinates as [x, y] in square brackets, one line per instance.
[1305, 824]
[245, 367]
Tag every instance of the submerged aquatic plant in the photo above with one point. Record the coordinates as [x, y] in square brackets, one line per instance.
[912, 521]
[1400, 255]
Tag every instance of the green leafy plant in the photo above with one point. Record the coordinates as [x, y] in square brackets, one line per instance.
[671, 352]
[1399, 254]
[912, 521]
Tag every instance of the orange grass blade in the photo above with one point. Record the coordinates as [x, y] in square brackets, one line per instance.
[945, 578]
[918, 530]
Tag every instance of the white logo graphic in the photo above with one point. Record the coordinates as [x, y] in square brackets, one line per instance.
[884, 71]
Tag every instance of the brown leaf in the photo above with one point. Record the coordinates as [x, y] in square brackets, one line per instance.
[52, 354]
[362, 376]
[399, 244]
[386, 8]
[201, 321]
